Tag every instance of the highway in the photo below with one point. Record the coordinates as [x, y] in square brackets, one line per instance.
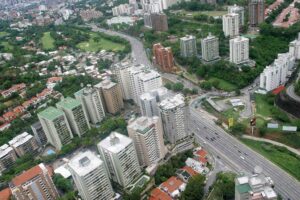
[232, 152]
[237, 155]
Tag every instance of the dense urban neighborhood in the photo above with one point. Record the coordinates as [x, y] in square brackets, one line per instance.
[149, 100]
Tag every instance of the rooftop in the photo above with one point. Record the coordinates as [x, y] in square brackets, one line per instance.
[172, 102]
[243, 188]
[51, 113]
[20, 139]
[115, 142]
[69, 103]
[106, 84]
[5, 194]
[157, 194]
[143, 124]
[4, 150]
[148, 75]
[84, 162]
[172, 184]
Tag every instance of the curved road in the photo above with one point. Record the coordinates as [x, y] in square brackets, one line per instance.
[232, 152]
[291, 92]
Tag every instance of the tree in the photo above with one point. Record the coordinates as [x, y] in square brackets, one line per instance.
[62, 184]
[206, 85]
[178, 87]
[194, 189]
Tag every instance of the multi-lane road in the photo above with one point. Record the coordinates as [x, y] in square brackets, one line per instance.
[231, 151]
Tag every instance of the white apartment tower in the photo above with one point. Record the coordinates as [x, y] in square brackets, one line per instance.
[75, 114]
[149, 101]
[188, 46]
[239, 50]
[133, 80]
[24, 144]
[147, 134]
[240, 11]
[8, 157]
[231, 24]
[91, 101]
[294, 48]
[56, 127]
[210, 48]
[120, 158]
[174, 112]
[90, 176]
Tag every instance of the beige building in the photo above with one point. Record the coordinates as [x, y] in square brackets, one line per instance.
[8, 157]
[24, 144]
[112, 96]
[147, 134]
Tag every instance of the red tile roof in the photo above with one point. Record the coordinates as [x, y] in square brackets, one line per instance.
[172, 184]
[189, 170]
[202, 153]
[5, 194]
[157, 194]
[278, 90]
[54, 79]
[27, 175]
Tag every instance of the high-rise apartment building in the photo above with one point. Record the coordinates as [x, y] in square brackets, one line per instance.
[174, 112]
[147, 134]
[163, 57]
[120, 158]
[90, 177]
[149, 101]
[56, 127]
[239, 50]
[188, 46]
[210, 48]
[8, 157]
[147, 20]
[294, 48]
[133, 80]
[24, 144]
[112, 95]
[277, 74]
[152, 6]
[231, 24]
[39, 133]
[91, 101]
[75, 114]
[35, 184]
[240, 11]
[159, 21]
[120, 70]
[256, 12]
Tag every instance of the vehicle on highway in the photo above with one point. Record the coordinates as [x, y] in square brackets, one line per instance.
[242, 157]
[239, 151]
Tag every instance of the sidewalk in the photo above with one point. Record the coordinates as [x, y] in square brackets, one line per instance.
[272, 142]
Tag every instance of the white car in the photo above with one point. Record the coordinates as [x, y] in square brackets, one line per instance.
[242, 157]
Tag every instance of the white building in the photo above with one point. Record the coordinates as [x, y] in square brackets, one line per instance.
[90, 176]
[149, 101]
[174, 112]
[188, 46]
[276, 74]
[294, 48]
[123, 9]
[231, 24]
[75, 114]
[240, 11]
[92, 103]
[239, 50]
[152, 6]
[133, 80]
[147, 134]
[8, 157]
[24, 144]
[56, 127]
[210, 48]
[120, 158]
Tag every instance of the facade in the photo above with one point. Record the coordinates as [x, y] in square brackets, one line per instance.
[210, 48]
[75, 114]
[294, 48]
[133, 80]
[90, 176]
[231, 24]
[149, 101]
[152, 6]
[56, 127]
[120, 70]
[24, 144]
[276, 74]
[256, 12]
[120, 158]
[147, 134]
[112, 95]
[257, 186]
[188, 46]
[35, 184]
[91, 101]
[8, 157]
[39, 133]
[159, 22]
[163, 57]
[174, 112]
[240, 11]
[147, 20]
[239, 50]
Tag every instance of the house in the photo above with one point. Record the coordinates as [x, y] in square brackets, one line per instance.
[186, 173]
[173, 186]
[52, 81]
[201, 156]
[9, 116]
[14, 88]
[5, 194]
[158, 194]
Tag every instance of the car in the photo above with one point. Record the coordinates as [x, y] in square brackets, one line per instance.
[242, 157]
[239, 151]
[207, 138]
[198, 129]
[218, 136]
[216, 133]
[205, 127]
[218, 157]
[245, 154]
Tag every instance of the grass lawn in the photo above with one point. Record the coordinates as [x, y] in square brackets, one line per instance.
[290, 139]
[262, 106]
[191, 77]
[209, 13]
[2, 34]
[7, 46]
[105, 44]
[47, 41]
[285, 159]
[223, 85]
